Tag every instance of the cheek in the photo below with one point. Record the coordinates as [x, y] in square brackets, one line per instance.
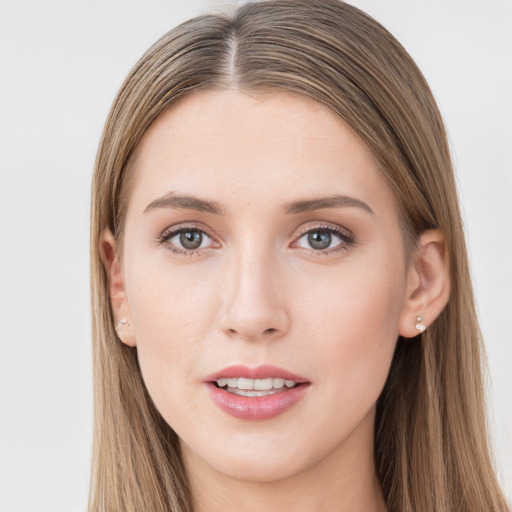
[172, 313]
[351, 327]
[166, 301]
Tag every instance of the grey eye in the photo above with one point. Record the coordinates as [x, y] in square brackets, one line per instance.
[319, 239]
[187, 239]
[191, 239]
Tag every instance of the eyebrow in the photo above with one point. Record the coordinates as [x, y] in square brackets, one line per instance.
[335, 201]
[185, 202]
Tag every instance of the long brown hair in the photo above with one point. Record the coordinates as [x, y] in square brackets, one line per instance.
[431, 445]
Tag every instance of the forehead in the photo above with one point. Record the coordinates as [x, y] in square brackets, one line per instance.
[269, 147]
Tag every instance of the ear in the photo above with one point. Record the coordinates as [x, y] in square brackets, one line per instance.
[117, 290]
[428, 284]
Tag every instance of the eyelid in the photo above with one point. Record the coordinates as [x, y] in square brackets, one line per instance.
[346, 236]
[324, 225]
[173, 230]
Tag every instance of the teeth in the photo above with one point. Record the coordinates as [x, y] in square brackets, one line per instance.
[262, 384]
[252, 392]
[242, 384]
[245, 383]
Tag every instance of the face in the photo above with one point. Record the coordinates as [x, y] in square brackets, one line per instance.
[262, 249]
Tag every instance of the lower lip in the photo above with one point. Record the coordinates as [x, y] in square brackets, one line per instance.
[256, 407]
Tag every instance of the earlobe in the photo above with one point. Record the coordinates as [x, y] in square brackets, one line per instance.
[428, 284]
[116, 287]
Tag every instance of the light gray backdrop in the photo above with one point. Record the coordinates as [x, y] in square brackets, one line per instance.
[61, 63]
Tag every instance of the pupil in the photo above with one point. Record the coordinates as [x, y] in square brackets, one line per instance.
[191, 239]
[319, 239]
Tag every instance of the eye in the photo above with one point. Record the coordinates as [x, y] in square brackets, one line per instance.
[187, 239]
[324, 239]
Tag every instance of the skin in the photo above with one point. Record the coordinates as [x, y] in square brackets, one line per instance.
[256, 292]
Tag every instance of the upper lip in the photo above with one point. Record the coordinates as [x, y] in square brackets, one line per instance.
[259, 372]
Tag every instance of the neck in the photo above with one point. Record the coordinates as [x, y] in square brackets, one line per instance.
[343, 481]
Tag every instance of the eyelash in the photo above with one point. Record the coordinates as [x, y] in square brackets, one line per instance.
[170, 233]
[347, 239]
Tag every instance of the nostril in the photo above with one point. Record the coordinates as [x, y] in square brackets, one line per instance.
[267, 332]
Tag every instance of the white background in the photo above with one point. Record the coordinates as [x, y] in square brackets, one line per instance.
[61, 63]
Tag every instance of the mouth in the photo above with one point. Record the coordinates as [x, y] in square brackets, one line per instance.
[256, 393]
[255, 387]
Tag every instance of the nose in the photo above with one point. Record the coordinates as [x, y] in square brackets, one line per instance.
[254, 306]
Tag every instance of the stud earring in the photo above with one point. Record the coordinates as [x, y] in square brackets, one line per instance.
[121, 322]
[419, 326]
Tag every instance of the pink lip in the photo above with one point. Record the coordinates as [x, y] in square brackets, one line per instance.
[260, 372]
[257, 407]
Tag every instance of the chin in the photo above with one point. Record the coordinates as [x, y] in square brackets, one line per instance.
[251, 460]
[259, 471]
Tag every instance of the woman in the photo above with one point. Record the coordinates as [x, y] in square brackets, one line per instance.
[283, 315]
